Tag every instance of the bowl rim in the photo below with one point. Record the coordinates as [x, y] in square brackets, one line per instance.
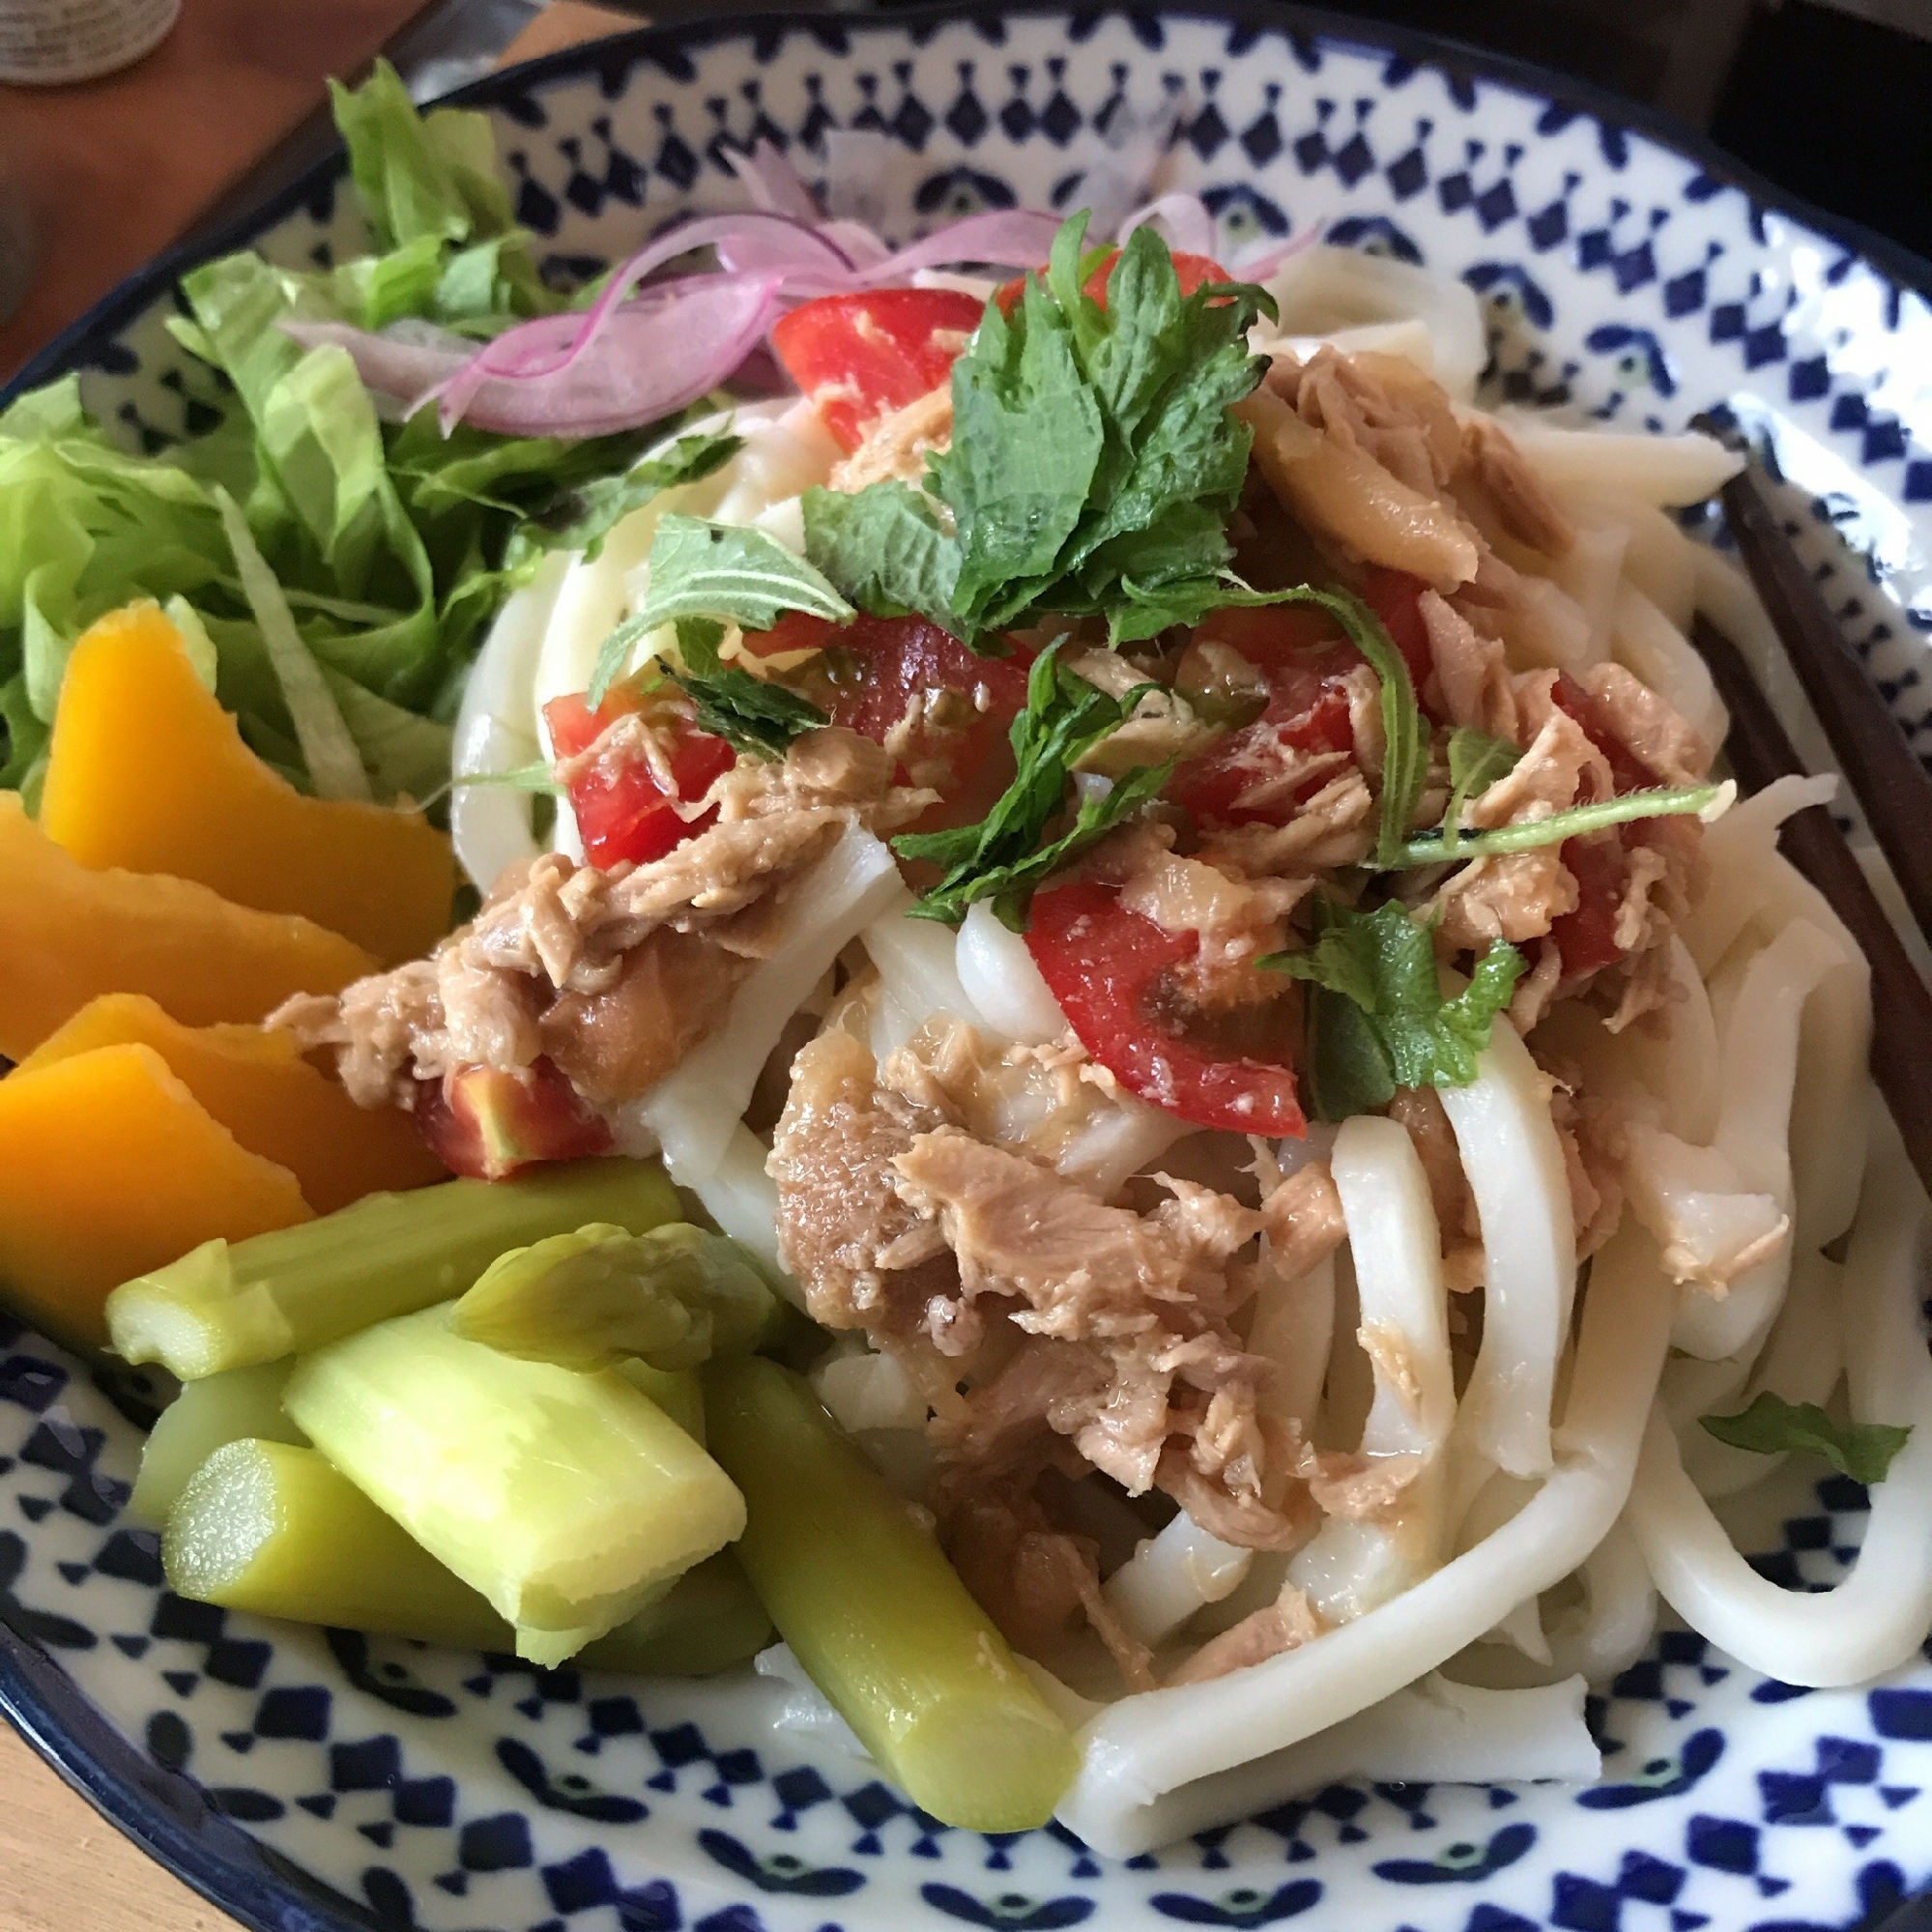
[1903, 268]
[166, 1813]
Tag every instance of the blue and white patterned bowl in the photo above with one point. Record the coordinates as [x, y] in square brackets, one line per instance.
[311, 1783]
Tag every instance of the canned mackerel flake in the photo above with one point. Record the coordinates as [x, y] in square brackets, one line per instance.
[47, 43]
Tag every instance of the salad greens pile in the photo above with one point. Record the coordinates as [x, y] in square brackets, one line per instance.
[332, 571]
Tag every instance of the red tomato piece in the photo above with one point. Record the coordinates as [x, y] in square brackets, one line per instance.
[1104, 963]
[1392, 595]
[490, 1124]
[1191, 272]
[1304, 657]
[883, 664]
[1587, 938]
[860, 356]
[1627, 773]
[624, 815]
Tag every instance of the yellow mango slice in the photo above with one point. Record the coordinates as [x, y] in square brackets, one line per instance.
[148, 773]
[108, 1167]
[258, 1085]
[66, 933]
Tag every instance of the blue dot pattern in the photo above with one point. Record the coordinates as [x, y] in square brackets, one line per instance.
[392, 1785]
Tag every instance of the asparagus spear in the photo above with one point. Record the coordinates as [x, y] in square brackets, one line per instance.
[877, 1615]
[671, 1297]
[270, 1528]
[220, 1409]
[231, 1304]
[565, 1498]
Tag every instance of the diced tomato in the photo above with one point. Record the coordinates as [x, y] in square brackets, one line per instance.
[1106, 965]
[875, 668]
[1306, 659]
[1628, 773]
[1191, 272]
[484, 1122]
[625, 814]
[1587, 938]
[1392, 595]
[860, 356]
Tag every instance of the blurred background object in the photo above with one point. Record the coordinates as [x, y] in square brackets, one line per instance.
[51, 43]
[1826, 97]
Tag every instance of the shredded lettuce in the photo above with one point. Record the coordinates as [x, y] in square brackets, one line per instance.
[387, 547]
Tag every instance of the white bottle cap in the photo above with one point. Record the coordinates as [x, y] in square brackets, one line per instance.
[47, 43]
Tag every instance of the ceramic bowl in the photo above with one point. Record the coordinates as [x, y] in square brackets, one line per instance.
[312, 1782]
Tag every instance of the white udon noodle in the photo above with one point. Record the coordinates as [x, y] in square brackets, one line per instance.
[1570, 1484]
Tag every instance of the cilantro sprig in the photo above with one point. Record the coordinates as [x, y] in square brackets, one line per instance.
[1007, 854]
[1377, 1019]
[1862, 1451]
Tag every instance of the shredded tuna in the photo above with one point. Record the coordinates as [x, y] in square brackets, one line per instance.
[1512, 896]
[1420, 1112]
[1654, 733]
[1500, 489]
[1472, 678]
[1036, 1581]
[1286, 1623]
[896, 446]
[1595, 1146]
[1336, 827]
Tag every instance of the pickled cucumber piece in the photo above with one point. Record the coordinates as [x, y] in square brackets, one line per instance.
[229, 1305]
[564, 1498]
[206, 1415]
[270, 1528]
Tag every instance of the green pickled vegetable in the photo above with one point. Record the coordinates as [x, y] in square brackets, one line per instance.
[565, 1498]
[678, 1392]
[877, 1616]
[671, 1297]
[206, 1415]
[230, 1305]
[273, 1529]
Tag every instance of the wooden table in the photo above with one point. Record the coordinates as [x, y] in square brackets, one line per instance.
[115, 170]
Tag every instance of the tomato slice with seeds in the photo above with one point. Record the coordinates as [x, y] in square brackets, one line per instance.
[624, 814]
[861, 357]
[875, 670]
[1109, 967]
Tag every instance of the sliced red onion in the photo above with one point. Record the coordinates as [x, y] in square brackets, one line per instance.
[1184, 221]
[402, 361]
[539, 348]
[773, 184]
[1014, 238]
[1257, 265]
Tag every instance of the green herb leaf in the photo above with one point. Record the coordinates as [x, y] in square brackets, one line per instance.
[1093, 447]
[883, 548]
[1669, 801]
[1403, 1032]
[753, 715]
[1476, 761]
[1007, 854]
[731, 571]
[1862, 1451]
